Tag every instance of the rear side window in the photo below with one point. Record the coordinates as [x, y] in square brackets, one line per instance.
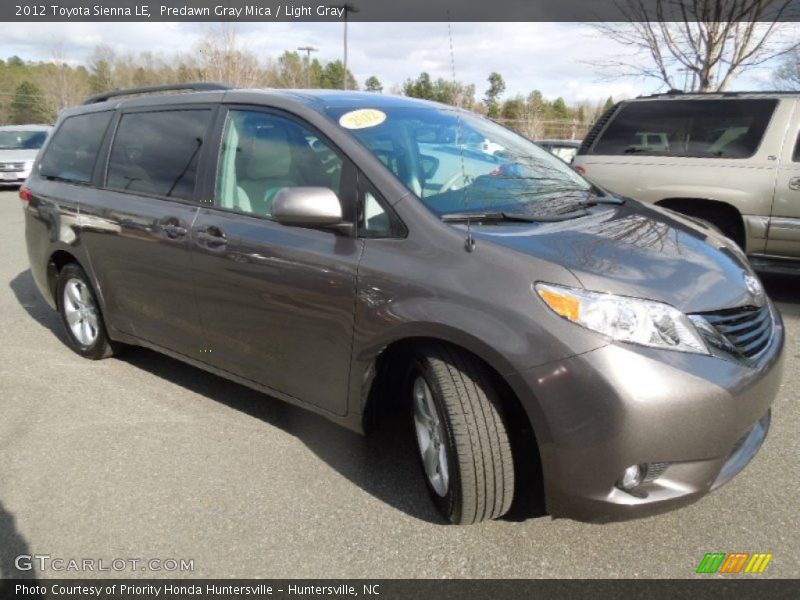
[691, 128]
[72, 152]
[156, 153]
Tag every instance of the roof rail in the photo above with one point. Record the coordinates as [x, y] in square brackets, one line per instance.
[673, 92]
[199, 86]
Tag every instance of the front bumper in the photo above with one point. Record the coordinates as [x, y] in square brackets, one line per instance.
[14, 172]
[598, 413]
[14, 177]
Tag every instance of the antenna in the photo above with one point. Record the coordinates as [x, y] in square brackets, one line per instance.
[469, 243]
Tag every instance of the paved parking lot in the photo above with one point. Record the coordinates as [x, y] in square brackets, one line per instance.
[145, 457]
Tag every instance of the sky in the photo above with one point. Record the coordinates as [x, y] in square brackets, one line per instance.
[555, 58]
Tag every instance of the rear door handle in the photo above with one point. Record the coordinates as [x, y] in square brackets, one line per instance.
[210, 237]
[172, 227]
[794, 184]
[174, 230]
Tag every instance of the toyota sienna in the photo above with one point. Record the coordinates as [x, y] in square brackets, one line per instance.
[342, 250]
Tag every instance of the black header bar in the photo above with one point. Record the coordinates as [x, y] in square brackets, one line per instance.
[370, 10]
[702, 587]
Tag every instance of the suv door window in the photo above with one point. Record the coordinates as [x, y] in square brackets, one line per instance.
[690, 128]
[262, 153]
[156, 153]
[71, 154]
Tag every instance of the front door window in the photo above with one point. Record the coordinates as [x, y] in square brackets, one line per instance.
[263, 153]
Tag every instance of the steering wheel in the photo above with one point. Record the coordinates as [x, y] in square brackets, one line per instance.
[459, 177]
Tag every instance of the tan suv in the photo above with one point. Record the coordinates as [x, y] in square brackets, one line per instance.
[730, 159]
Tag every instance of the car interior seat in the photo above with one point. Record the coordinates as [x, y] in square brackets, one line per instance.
[265, 167]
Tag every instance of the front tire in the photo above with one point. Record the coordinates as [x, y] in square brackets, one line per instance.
[461, 435]
[80, 314]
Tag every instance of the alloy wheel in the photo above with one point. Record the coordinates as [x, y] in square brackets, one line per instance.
[431, 438]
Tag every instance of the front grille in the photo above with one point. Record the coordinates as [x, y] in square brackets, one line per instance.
[12, 166]
[746, 329]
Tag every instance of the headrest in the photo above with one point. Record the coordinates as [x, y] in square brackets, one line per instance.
[267, 155]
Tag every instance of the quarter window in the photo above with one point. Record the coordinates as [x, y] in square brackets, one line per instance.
[796, 157]
[156, 153]
[262, 153]
[691, 128]
[72, 152]
[375, 218]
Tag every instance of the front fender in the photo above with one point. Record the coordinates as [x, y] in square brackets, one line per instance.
[506, 342]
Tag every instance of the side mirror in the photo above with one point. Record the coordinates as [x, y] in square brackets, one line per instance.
[307, 207]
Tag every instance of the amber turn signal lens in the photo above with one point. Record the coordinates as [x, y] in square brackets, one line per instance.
[564, 305]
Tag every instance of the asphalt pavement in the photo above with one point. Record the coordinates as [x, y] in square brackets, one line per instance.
[143, 457]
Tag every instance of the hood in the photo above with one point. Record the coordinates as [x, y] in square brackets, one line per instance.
[636, 250]
[17, 155]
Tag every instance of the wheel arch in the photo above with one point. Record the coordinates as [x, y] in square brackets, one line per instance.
[722, 214]
[384, 380]
[58, 260]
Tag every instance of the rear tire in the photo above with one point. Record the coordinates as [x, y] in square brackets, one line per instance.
[461, 435]
[80, 314]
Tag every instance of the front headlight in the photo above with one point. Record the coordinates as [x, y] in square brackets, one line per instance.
[624, 319]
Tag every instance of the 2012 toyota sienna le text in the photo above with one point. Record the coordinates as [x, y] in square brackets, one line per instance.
[341, 251]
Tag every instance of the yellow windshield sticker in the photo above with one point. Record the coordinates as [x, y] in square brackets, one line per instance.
[362, 118]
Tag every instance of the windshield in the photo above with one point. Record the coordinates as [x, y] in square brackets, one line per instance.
[22, 140]
[458, 162]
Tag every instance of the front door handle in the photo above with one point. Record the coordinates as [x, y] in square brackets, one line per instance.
[794, 184]
[210, 237]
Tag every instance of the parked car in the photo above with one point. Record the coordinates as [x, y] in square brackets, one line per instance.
[524, 318]
[731, 160]
[19, 145]
[563, 149]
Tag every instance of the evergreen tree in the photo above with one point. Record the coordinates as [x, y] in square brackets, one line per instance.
[333, 77]
[373, 84]
[421, 87]
[28, 105]
[560, 110]
[496, 87]
[513, 108]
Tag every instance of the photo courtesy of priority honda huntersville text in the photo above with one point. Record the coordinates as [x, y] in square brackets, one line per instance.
[344, 251]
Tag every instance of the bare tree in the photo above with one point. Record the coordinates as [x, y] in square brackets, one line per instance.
[222, 59]
[101, 67]
[787, 77]
[700, 45]
[61, 85]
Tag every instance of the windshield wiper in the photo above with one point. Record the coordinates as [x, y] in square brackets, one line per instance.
[505, 216]
[597, 196]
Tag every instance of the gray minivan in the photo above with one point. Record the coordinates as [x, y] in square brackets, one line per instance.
[344, 251]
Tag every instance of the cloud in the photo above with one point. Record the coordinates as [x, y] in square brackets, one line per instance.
[550, 57]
